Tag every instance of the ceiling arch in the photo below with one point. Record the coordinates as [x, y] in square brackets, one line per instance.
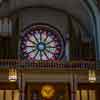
[74, 7]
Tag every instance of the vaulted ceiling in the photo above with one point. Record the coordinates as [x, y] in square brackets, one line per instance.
[75, 8]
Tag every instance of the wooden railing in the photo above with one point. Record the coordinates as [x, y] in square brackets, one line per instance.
[6, 63]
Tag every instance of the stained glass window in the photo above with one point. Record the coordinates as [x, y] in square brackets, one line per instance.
[41, 42]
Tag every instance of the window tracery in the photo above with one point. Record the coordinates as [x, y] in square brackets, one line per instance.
[41, 42]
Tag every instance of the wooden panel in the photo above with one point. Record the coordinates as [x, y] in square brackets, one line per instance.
[16, 95]
[78, 95]
[1, 94]
[93, 90]
[84, 95]
[8, 86]
[8, 95]
[92, 95]
[8, 91]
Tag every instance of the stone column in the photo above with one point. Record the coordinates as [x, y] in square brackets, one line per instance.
[21, 86]
[73, 84]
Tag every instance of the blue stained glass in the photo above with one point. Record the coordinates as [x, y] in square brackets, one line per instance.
[41, 44]
[28, 49]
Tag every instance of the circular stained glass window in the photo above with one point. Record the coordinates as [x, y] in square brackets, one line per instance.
[41, 42]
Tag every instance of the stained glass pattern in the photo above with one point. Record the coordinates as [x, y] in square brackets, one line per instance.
[41, 43]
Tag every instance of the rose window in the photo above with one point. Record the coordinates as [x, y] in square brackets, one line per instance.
[41, 42]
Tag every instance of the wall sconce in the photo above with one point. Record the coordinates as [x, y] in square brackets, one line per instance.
[92, 76]
[12, 75]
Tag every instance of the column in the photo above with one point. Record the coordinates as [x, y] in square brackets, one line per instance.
[21, 86]
[73, 84]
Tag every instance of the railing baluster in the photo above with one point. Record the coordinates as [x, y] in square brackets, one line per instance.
[46, 64]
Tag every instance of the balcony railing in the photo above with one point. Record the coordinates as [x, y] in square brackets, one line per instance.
[9, 63]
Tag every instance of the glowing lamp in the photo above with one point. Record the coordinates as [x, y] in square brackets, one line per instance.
[12, 75]
[47, 91]
[92, 76]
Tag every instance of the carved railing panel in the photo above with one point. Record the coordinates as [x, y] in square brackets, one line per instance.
[7, 63]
